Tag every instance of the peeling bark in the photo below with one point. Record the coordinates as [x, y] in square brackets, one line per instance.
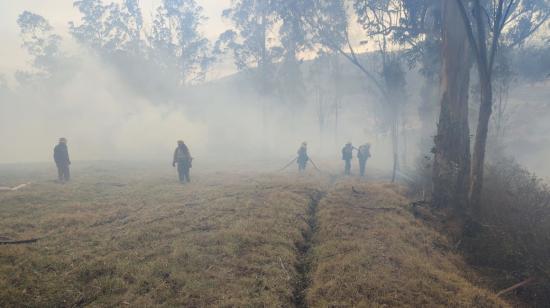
[452, 143]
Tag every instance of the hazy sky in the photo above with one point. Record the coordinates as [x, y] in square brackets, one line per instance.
[60, 12]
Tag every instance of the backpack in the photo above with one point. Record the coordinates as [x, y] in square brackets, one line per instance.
[347, 153]
[364, 152]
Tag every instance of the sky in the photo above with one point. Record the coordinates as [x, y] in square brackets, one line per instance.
[60, 12]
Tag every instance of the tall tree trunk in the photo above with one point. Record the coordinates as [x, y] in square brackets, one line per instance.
[427, 113]
[478, 159]
[451, 166]
[395, 146]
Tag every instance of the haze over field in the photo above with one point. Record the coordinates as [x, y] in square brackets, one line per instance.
[275, 153]
[113, 107]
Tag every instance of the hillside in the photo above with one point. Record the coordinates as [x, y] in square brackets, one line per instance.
[130, 235]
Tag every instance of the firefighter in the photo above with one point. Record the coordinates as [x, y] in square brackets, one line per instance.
[183, 159]
[62, 161]
[363, 154]
[302, 157]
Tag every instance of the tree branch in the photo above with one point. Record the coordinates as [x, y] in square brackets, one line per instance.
[469, 30]
[497, 30]
[528, 34]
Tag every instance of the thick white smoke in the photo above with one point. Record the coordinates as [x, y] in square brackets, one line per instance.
[101, 117]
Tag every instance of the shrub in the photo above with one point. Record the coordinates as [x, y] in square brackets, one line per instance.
[514, 234]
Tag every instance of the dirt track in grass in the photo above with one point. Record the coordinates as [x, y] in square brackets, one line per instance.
[133, 236]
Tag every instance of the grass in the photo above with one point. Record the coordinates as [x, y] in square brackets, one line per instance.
[131, 235]
[371, 252]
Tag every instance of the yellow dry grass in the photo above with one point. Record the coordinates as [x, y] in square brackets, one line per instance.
[369, 251]
[130, 235]
[137, 237]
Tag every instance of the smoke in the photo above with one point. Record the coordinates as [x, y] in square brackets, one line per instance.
[527, 127]
[101, 117]
[106, 114]
[105, 117]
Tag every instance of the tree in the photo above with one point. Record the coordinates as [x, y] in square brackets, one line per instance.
[329, 23]
[124, 23]
[41, 43]
[502, 80]
[92, 31]
[109, 28]
[175, 42]
[253, 49]
[176, 37]
[421, 30]
[325, 78]
[491, 25]
[292, 37]
[452, 142]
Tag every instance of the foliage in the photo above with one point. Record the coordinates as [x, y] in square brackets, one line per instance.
[108, 28]
[41, 43]
[531, 63]
[176, 39]
[116, 31]
[513, 233]
[253, 47]
[490, 26]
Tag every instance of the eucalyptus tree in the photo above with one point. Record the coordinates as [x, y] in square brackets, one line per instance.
[491, 26]
[325, 88]
[41, 43]
[451, 165]
[173, 43]
[293, 40]
[329, 22]
[108, 27]
[251, 41]
[176, 40]
[253, 45]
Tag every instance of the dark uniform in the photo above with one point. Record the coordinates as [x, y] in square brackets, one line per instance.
[183, 159]
[362, 155]
[62, 161]
[302, 157]
[347, 155]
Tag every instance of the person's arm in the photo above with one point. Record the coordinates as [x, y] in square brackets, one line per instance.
[174, 160]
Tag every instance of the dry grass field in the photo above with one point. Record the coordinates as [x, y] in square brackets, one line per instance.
[130, 235]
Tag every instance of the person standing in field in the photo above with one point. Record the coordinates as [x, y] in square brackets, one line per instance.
[302, 157]
[362, 155]
[62, 161]
[182, 157]
[347, 156]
